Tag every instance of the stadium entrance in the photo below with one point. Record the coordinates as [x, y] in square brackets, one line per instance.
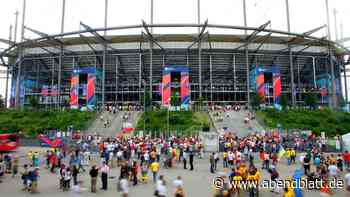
[267, 83]
[175, 87]
[83, 88]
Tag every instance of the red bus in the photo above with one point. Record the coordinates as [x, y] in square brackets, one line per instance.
[8, 142]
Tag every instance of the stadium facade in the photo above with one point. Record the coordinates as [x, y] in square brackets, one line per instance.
[86, 68]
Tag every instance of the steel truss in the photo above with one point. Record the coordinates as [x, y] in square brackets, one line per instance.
[125, 70]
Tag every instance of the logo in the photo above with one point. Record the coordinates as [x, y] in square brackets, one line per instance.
[218, 183]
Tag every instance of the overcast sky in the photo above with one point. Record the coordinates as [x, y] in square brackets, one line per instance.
[45, 15]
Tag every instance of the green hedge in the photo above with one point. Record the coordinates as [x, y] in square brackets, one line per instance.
[331, 122]
[30, 123]
[184, 122]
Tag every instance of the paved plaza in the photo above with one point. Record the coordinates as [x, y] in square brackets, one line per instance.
[196, 183]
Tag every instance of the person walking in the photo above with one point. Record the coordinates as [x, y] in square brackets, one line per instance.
[93, 174]
[75, 173]
[67, 178]
[161, 188]
[191, 160]
[184, 159]
[216, 160]
[155, 168]
[15, 166]
[211, 161]
[124, 186]
[178, 187]
[104, 176]
[347, 181]
[134, 171]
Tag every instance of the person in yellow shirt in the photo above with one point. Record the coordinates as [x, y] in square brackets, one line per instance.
[30, 157]
[292, 155]
[253, 182]
[225, 154]
[155, 169]
[288, 156]
[243, 171]
[288, 190]
[236, 184]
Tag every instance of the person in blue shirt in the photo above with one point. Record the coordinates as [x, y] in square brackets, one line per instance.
[317, 161]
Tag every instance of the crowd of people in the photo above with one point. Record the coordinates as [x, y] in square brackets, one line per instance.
[139, 160]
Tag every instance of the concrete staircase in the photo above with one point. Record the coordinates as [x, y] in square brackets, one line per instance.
[116, 123]
[234, 121]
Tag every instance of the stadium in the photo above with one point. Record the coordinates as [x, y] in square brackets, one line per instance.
[91, 67]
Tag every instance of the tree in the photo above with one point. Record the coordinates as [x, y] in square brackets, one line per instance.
[256, 100]
[146, 99]
[284, 102]
[2, 102]
[310, 99]
[342, 102]
[33, 102]
[200, 101]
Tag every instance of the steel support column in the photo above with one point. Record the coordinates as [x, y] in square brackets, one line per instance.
[333, 100]
[199, 14]
[60, 61]
[7, 70]
[103, 73]
[292, 85]
[106, 17]
[234, 77]
[346, 86]
[246, 51]
[291, 66]
[152, 14]
[140, 76]
[314, 71]
[200, 67]
[116, 78]
[211, 78]
[7, 85]
[247, 74]
[52, 79]
[63, 15]
[151, 70]
[21, 56]
[299, 82]
[59, 76]
[16, 25]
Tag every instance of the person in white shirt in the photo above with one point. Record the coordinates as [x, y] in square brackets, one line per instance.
[67, 177]
[177, 183]
[104, 175]
[161, 188]
[333, 170]
[347, 181]
[124, 187]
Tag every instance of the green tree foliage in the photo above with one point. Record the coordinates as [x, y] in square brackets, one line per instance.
[331, 122]
[256, 100]
[200, 103]
[146, 99]
[2, 102]
[33, 102]
[183, 122]
[284, 101]
[32, 122]
[310, 99]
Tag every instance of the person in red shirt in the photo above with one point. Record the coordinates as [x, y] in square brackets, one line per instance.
[134, 170]
[346, 158]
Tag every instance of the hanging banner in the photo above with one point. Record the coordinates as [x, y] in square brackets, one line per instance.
[74, 92]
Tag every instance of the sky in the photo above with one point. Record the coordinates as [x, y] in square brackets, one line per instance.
[45, 15]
